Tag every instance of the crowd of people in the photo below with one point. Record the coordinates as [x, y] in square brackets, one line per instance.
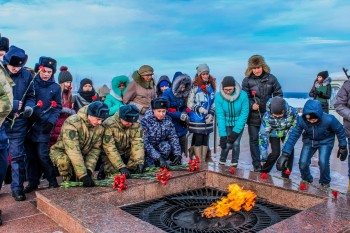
[47, 131]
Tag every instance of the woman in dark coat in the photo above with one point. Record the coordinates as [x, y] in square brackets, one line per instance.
[322, 90]
[260, 86]
[86, 94]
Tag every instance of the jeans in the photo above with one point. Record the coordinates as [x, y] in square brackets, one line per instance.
[253, 132]
[236, 147]
[349, 158]
[307, 152]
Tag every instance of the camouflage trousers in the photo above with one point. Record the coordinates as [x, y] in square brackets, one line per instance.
[110, 169]
[64, 165]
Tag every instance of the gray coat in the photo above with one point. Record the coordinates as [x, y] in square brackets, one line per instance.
[342, 106]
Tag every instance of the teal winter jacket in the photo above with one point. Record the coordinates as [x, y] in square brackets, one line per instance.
[115, 98]
[231, 110]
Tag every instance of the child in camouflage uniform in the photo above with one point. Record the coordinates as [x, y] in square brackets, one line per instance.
[79, 145]
[276, 123]
[123, 142]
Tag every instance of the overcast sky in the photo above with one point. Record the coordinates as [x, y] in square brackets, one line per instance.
[102, 39]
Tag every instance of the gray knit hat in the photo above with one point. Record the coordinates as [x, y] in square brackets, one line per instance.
[202, 68]
[65, 75]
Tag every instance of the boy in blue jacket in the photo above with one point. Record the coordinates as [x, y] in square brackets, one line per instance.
[319, 130]
[42, 122]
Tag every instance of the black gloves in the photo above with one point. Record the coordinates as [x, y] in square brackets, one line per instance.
[282, 161]
[87, 180]
[223, 141]
[177, 160]
[125, 171]
[47, 127]
[163, 163]
[34, 118]
[28, 111]
[342, 153]
[232, 137]
[139, 169]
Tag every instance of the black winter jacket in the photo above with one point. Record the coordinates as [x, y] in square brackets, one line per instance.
[265, 86]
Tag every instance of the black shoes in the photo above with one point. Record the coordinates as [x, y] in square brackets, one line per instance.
[30, 188]
[19, 195]
[53, 184]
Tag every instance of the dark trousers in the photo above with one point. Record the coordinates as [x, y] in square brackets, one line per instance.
[16, 150]
[38, 161]
[4, 147]
[253, 132]
[200, 139]
[275, 153]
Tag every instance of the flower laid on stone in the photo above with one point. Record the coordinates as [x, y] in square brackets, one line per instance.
[94, 97]
[232, 170]
[287, 172]
[263, 175]
[188, 110]
[119, 183]
[335, 193]
[164, 175]
[193, 164]
[302, 186]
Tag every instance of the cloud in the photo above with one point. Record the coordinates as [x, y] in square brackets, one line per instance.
[102, 39]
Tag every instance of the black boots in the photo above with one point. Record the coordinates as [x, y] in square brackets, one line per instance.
[19, 195]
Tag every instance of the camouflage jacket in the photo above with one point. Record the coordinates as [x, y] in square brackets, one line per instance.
[6, 96]
[275, 127]
[80, 141]
[123, 142]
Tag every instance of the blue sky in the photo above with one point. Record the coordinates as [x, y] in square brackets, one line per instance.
[102, 39]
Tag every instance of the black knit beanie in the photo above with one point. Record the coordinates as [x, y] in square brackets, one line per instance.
[65, 75]
[85, 81]
[4, 44]
[278, 105]
[323, 74]
[228, 81]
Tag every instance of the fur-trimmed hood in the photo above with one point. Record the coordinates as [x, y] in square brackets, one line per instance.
[138, 79]
[182, 79]
[235, 94]
[325, 82]
[116, 82]
[162, 78]
[256, 61]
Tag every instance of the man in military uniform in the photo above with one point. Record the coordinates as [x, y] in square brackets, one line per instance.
[79, 144]
[6, 100]
[123, 142]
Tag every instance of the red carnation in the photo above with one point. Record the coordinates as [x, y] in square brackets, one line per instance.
[287, 172]
[232, 171]
[69, 88]
[53, 104]
[94, 97]
[203, 87]
[263, 175]
[302, 186]
[172, 110]
[63, 68]
[253, 92]
[41, 69]
[335, 193]
[188, 110]
[40, 103]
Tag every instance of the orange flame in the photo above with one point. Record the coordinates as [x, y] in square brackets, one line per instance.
[235, 200]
